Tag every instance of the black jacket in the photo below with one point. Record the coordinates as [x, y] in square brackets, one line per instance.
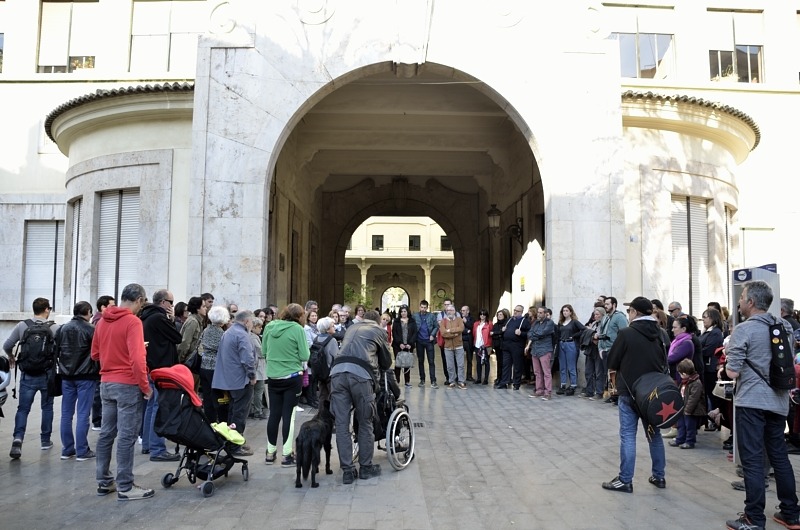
[497, 336]
[397, 333]
[162, 337]
[513, 342]
[466, 335]
[73, 350]
[637, 350]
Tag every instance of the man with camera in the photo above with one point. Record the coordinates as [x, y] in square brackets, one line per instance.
[606, 334]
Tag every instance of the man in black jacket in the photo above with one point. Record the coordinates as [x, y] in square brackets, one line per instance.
[637, 350]
[79, 374]
[515, 335]
[162, 339]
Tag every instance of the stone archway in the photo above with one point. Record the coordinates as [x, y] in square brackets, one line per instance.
[454, 211]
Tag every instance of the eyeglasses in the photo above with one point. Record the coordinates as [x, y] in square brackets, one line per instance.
[171, 302]
[671, 309]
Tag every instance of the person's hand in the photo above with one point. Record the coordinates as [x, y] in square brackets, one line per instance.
[149, 394]
[517, 332]
[253, 381]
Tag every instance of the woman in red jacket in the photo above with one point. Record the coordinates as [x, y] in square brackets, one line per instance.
[482, 336]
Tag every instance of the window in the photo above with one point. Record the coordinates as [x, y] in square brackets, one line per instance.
[2, 38]
[44, 262]
[164, 34]
[645, 55]
[118, 241]
[414, 243]
[377, 242]
[444, 244]
[690, 252]
[67, 36]
[729, 59]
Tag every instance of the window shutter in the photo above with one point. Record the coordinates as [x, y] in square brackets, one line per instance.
[118, 241]
[680, 250]
[718, 30]
[54, 36]
[44, 262]
[76, 246]
[107, 244]
[698, 219]
[748, 28]
[129, 239]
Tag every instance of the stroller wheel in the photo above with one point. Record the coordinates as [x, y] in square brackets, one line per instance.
[245, 473]
[208, 489]
[168, 480]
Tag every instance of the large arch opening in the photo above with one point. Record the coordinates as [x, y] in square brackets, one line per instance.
[433, 142]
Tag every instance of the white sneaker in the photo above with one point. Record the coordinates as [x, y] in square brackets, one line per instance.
[672, 433]
[135, 493]
[139, 441]
[98, 428]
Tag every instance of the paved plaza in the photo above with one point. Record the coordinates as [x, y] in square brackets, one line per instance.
[485, 458]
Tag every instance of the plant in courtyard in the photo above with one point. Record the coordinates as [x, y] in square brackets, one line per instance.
[353, 297]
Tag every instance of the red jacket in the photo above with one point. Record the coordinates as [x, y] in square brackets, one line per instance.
[118, 344]
[486, 332]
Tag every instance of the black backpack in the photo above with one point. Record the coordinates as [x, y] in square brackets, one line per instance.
[36, 354]
[318, 360]
[781, 367]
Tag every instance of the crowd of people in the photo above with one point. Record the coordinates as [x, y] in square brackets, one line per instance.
[253, 365]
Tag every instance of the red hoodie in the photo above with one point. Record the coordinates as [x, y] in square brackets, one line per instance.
[118, 344]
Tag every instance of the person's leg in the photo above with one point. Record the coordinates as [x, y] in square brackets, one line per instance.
[469, 354]
[459, 354]
[27, 391]
[750, 429]
[156, 444]
[47, 410]
[562, 366]
[548, 373]
[784, 474]
[431, 361]
[275, 388]
[657, 457]
[257, 405]
[450, 359]
[538, 373]
[97, 407]
[518, 362]
[69, 396]
[600, 368]
[291, 398]
[108, 432]
[690, 428]
[364, 403]
[572, 363]
[443, 355]
[341, 403]
[421, 361]
[681, 438]
[129, 415]
[628, 424]
[241, 399]
[85, 399]
[505, 377]
[210, 405]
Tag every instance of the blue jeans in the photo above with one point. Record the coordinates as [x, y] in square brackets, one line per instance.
[122, 415]
[423, 349]
[150, 440]
[758, 430]
[568, 363]
[78, 392]
[628, 425]
[28, 386]
[687, 429]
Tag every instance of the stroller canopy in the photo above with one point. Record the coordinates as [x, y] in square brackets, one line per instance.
[178, 377]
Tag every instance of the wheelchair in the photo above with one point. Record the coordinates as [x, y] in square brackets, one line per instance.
[392, 425]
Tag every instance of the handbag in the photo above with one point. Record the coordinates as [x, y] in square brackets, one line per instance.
[724, 390]
[404, 359]
[54, 387]
[193, 362]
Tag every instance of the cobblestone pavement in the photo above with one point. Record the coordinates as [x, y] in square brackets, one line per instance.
[485, 458]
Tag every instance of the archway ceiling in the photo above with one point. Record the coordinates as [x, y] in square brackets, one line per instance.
[428, 126]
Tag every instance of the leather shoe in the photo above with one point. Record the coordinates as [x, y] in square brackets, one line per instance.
[615, 484]
[165, 457]
[658, 482]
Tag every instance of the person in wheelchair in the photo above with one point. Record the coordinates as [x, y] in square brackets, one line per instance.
[355, 374]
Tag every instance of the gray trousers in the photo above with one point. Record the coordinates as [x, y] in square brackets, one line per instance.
[122, 418]
[455, 364]
[349, 391]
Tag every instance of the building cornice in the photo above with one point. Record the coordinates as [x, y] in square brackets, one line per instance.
[721, 124]
[140, 101]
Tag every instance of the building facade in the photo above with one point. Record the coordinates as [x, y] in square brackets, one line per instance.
[235, 147]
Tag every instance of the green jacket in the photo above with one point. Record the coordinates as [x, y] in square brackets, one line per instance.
[285, 348]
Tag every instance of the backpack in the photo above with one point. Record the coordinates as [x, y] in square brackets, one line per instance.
[36, 354]
[318, 360]
[781, 367]
[658, 399]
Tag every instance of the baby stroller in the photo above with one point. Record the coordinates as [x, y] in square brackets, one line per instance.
[392, 424]
[207, 454]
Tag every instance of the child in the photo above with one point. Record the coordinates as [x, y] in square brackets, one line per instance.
[694, 406]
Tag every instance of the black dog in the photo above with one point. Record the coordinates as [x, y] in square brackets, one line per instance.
[314, 434]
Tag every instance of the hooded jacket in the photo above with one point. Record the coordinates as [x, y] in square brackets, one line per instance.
[162, 337]
[365, 345]
[74, 350]
[285, 348]
[637, 350]
[119, 346]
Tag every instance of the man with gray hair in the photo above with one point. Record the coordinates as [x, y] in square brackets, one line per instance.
[354, 376]
[787, 313]
[118, 344]
[236, 372]
[760, 411]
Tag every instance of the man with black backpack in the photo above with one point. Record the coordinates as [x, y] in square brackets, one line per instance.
[35, 358]
[762, 402]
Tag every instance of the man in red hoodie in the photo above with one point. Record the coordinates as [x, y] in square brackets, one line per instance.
[119, 346]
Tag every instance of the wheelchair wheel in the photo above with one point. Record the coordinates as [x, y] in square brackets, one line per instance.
[400, 439]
